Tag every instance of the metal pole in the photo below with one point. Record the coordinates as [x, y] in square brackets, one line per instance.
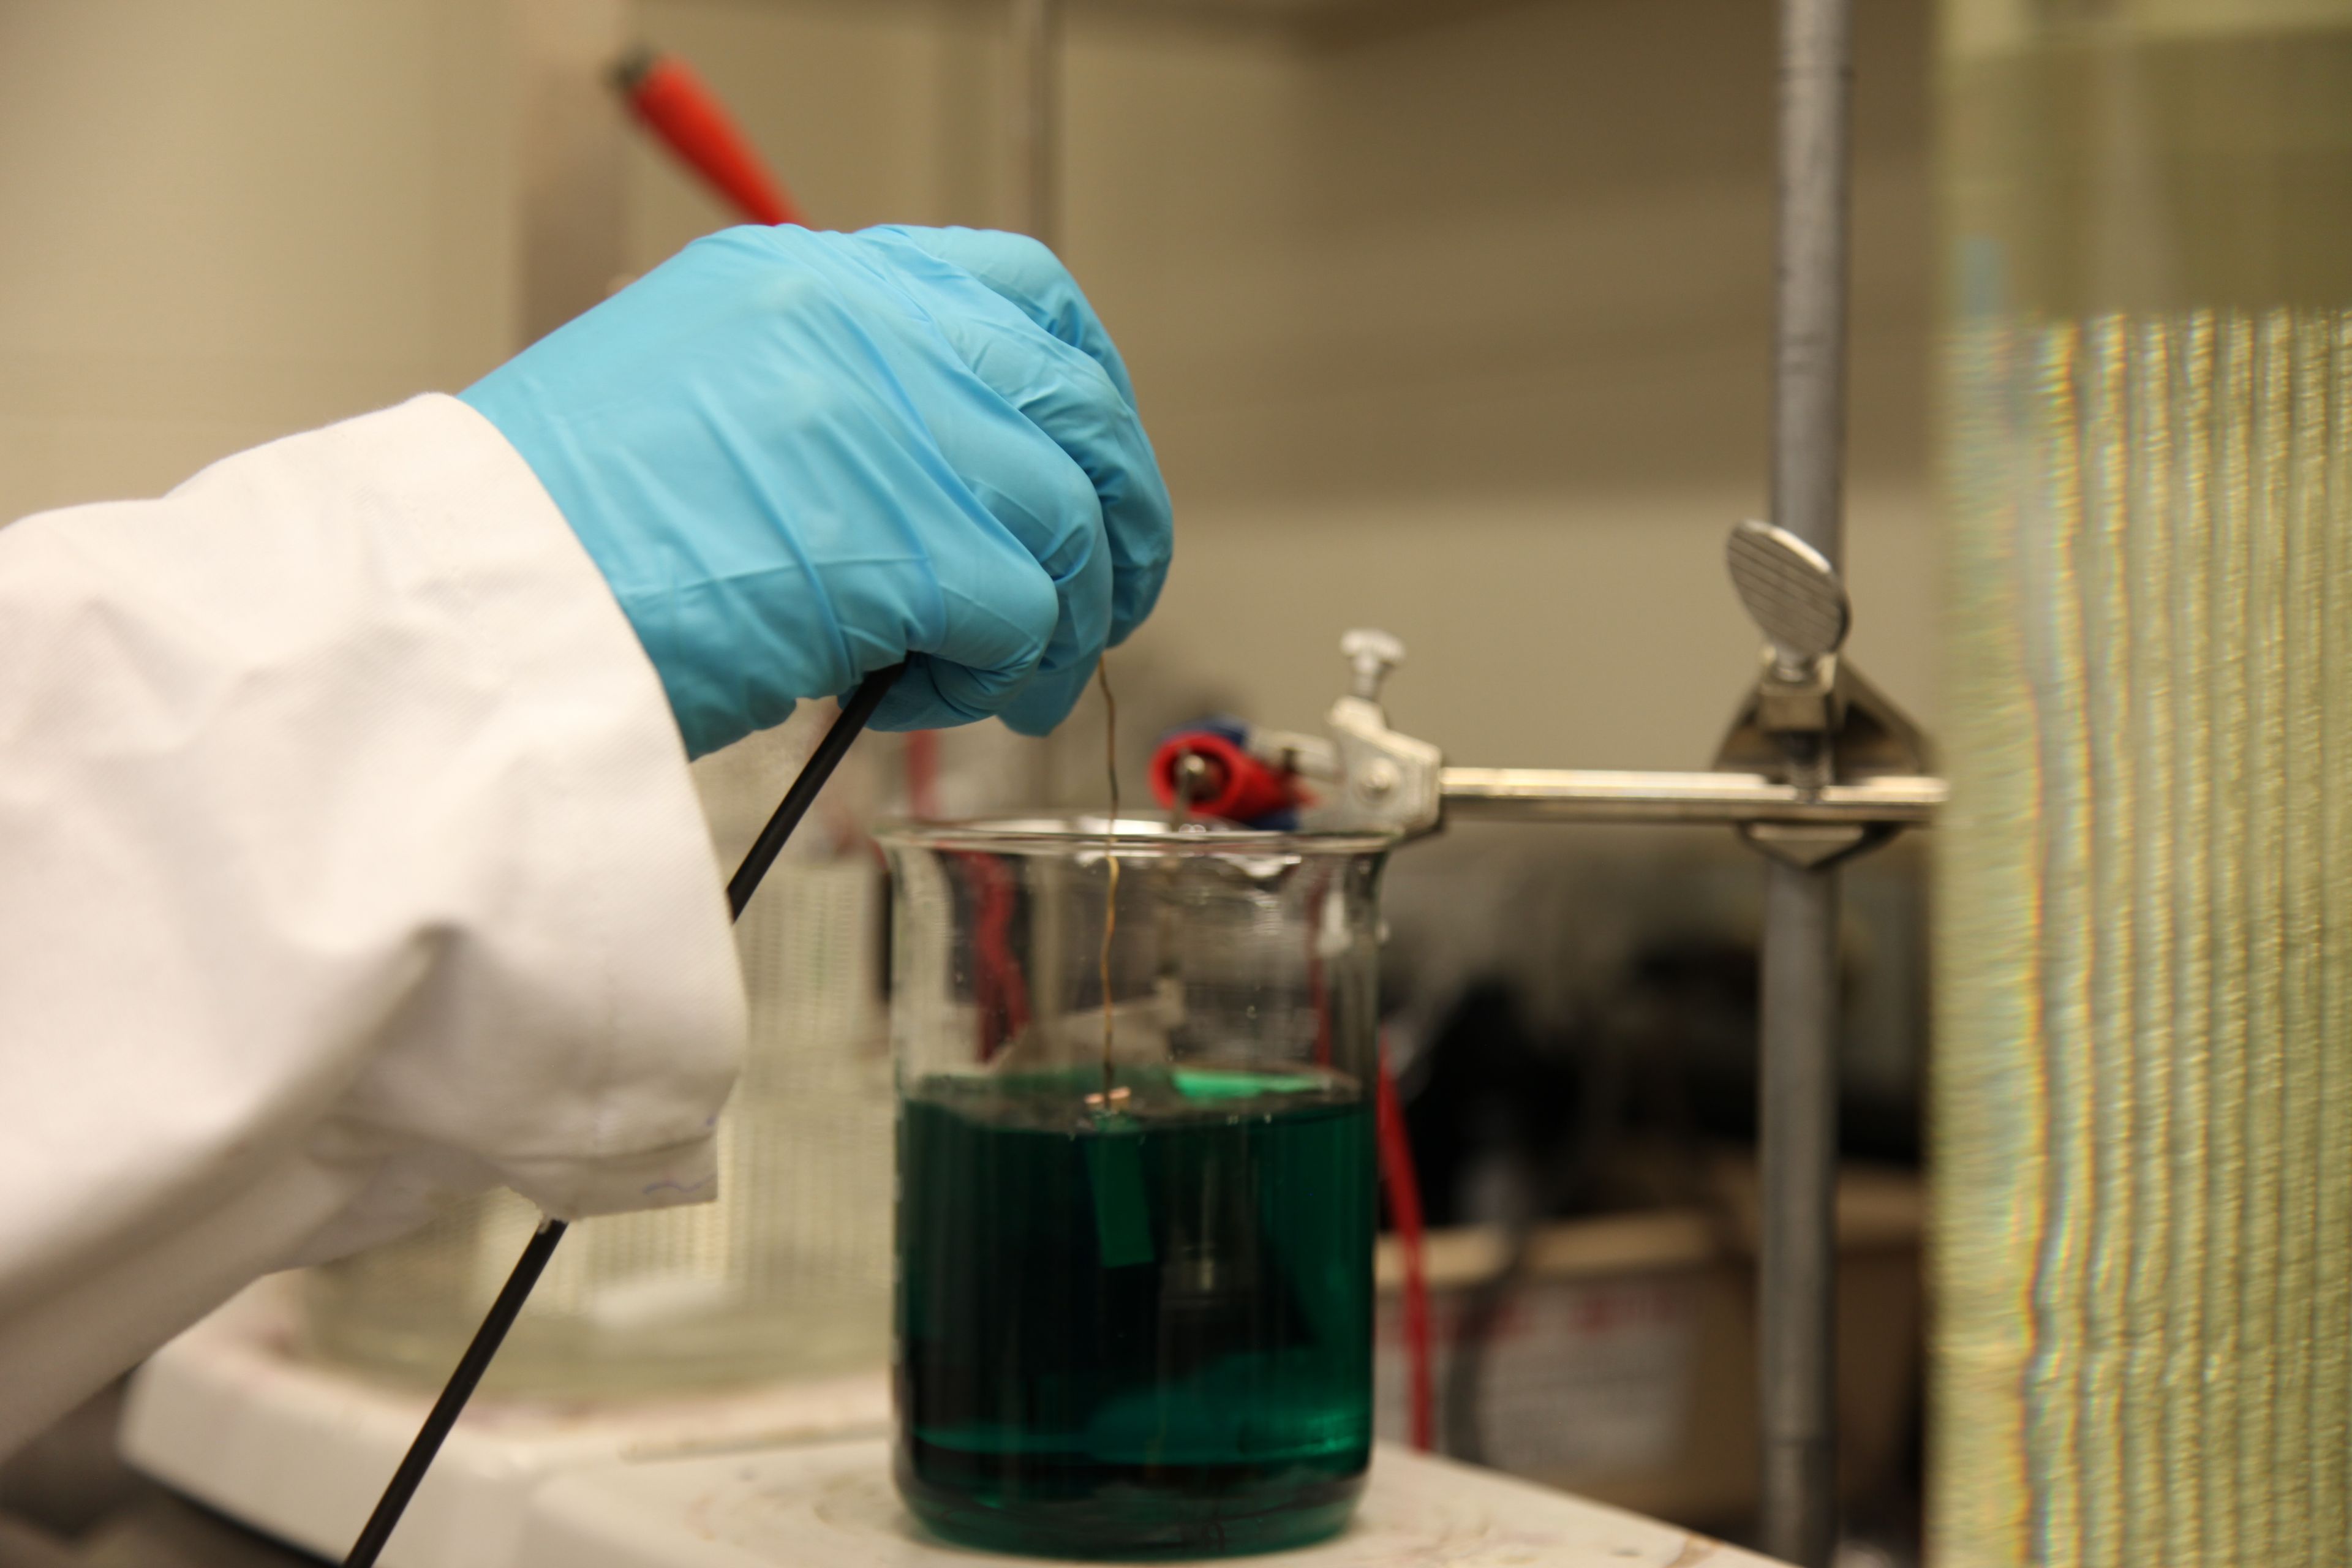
[1810, 273]
[1546, 795]
[1037, 117]
[1798, 1361]
[1798, 1121]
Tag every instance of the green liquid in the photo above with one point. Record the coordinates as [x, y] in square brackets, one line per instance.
[1137, 1333]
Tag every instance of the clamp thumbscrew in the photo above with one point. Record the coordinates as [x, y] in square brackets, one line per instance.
[1370, 655]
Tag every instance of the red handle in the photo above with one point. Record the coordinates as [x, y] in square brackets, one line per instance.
[687, 118]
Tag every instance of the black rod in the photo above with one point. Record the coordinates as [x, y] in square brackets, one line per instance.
[456, 1391]
[804, 792]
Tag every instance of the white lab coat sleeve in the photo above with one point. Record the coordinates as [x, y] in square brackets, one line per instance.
[349, 861]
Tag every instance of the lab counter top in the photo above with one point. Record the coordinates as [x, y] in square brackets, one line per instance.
[833, 1505]
[234, 1417]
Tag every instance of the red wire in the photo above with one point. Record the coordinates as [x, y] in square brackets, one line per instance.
[999, 990]
[923, 775]
[1404, 1207]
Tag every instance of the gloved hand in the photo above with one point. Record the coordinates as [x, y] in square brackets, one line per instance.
[799, 457]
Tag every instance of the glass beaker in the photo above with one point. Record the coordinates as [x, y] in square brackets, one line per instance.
[1136, 1183]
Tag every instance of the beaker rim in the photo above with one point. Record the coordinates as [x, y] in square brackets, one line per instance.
[1048, 832]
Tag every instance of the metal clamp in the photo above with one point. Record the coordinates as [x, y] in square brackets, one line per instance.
[1374, 776]
[1740, 800]
[1812, 724]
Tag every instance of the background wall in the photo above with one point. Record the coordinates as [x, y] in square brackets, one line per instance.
[1453, 320]
[220, 223]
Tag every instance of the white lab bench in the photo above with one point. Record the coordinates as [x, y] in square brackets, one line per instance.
[233, 1416]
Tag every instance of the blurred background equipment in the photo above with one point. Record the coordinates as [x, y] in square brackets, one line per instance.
[2143, 1100]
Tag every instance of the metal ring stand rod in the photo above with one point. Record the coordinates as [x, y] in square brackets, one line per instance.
[1797, 1360]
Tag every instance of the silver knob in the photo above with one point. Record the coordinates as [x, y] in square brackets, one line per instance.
[1793, 592]
[1370, 655]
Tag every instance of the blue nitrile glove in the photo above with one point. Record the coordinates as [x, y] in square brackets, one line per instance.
[799, 457]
